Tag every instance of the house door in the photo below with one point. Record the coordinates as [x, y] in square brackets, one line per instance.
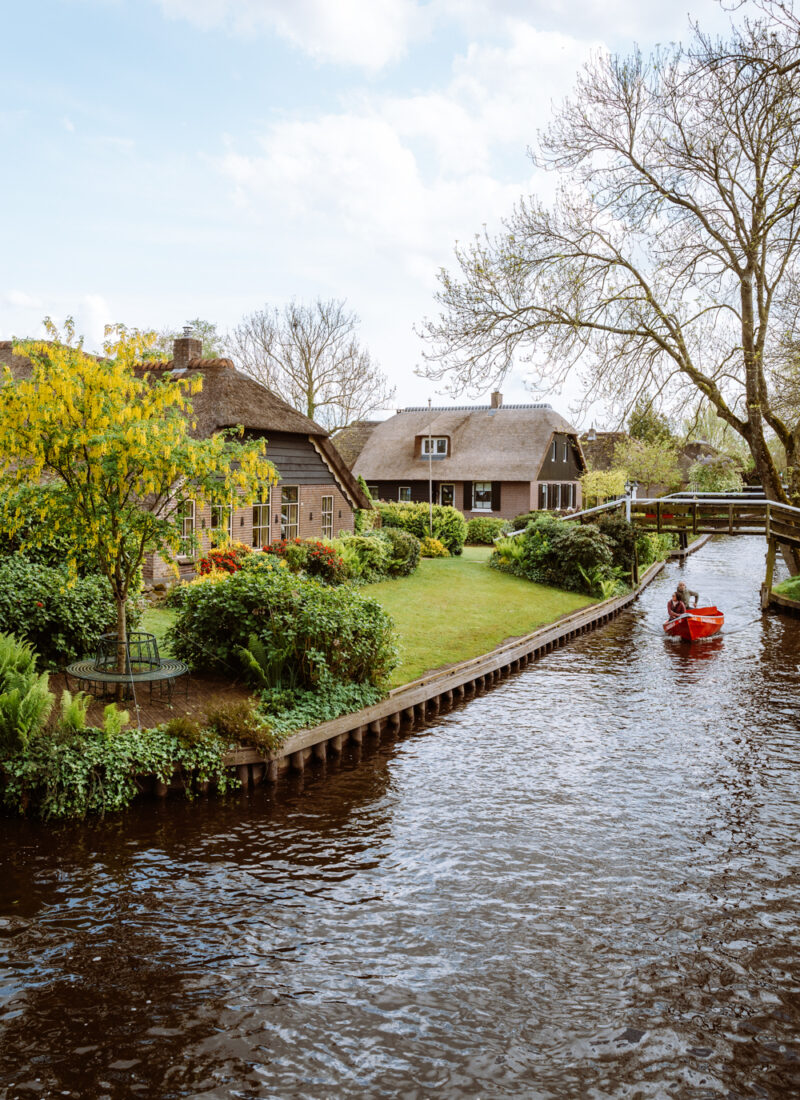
[447, 494]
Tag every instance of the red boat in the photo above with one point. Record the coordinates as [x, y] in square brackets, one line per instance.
[700, 622]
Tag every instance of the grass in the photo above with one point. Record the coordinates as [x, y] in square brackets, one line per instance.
[449, 610]
[455, 608]
[156, 620]
[789, 588]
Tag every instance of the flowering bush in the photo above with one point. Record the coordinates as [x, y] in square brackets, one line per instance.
[226, 559]
[311, 556]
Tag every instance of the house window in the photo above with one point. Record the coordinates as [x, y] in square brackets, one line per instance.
[261, 523]
[447, 494]
[482, 496]
[554, 455]
[404, 493]
[434, 445]
[566, 449]
[290, 512]
[373, 491]
[327, 517]
[221, 523]
[186, 518]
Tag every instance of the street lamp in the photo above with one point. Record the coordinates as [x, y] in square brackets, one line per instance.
[430, 471]
[631, 487]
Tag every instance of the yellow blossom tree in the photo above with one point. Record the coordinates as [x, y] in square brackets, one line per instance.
[104, 453]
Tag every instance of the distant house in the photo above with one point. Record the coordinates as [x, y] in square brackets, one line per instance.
[316, 494]
[599, 447]
[486, 460]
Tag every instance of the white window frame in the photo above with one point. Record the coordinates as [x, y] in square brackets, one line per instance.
[566, 450]
[222, 510]
[545, 497]
[290, 512]
[554, 455]
[261, 522]
[327, 517]
[435, 445]
[403, 489]
[187, 510]
[481, 506]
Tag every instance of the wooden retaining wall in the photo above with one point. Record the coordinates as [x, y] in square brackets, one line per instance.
[428, 696]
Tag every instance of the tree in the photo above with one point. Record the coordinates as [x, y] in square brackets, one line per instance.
[106, 454]
[213, 341]
[649, 463]
[647, 424]
[311, 357]
[598, 486]
[666, 262]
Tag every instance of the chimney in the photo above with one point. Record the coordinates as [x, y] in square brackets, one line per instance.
[497, 399]
[184, 348]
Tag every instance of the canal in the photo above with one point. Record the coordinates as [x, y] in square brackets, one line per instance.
[583, 883]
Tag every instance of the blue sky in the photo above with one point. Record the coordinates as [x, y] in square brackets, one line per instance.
[167, 159]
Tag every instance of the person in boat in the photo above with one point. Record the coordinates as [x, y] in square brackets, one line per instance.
[675, 606]
[686, 594]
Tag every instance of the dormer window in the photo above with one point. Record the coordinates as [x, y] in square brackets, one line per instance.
[434, 446]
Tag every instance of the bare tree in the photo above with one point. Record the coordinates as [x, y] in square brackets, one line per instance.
[311, 357]
[666, 264]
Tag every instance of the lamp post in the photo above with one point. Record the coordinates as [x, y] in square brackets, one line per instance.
[430, 472]
[631, 487]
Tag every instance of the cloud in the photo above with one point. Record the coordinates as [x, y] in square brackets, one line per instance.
[365, 33]
[22, 300]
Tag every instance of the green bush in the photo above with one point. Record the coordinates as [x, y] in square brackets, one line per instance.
[404, 551]
[484, 530]
[311, 556]
[366, 557]
[716, 475]
[306, 628]
[61, 617]
[287, 710]
[449, 525]
[653, 547]
[573, 556]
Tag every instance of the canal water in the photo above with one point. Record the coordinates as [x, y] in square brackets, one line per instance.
[583, 883]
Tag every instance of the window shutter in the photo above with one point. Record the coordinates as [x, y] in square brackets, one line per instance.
[496, 496]
[467, 496]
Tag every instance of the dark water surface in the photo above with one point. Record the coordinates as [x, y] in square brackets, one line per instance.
[584, 883]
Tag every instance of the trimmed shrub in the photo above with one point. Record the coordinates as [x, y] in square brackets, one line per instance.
[404, 551]
[433, 548]
[307, 630]
[366, 557]
[573, 556]
[484, 530]
[449, 525]
[61, 617]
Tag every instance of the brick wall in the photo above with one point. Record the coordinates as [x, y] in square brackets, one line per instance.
[157, 570]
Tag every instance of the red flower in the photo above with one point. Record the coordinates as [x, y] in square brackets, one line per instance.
[39, 603]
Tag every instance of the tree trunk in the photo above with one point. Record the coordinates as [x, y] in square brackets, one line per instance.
[122, 647]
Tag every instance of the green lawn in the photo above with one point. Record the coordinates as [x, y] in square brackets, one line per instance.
[155, 621]
[455, 608]
[449, 610]
[789, 588]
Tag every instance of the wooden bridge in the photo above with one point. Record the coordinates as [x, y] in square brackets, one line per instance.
[690, 515]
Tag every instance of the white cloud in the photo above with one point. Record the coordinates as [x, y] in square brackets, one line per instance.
[366, 33]
[22, 300]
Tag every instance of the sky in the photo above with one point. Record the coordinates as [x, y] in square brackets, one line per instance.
[162, 160]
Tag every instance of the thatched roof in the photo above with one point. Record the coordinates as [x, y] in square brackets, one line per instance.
[599, 451]
[229, 398]
[20, 365]
[486, 444]
[350, 441]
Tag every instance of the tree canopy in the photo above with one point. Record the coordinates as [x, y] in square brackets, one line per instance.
[103, 452]
[311, 356]
[667, 264]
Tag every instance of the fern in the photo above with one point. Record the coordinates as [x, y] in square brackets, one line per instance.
[74, 709]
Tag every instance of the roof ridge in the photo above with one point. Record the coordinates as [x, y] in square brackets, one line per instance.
[471, 408]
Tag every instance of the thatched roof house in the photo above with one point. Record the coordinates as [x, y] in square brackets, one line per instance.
[496, 459]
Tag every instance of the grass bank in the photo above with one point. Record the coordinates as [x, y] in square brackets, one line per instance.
[790, 588]
[452, 609]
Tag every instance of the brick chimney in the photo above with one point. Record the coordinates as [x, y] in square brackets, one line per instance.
[497, 399]
[184, 348]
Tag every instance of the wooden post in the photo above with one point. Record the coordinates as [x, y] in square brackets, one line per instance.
[298, 761]
[336, 744]
[357, 735]
[257, 773]
[766, 588]
[320, 751]
[272, 771]
[244, 776]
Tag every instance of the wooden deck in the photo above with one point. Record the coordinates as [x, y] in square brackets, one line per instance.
[203, 691]
[778, 522]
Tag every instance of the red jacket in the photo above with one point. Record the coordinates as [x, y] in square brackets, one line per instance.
[675, 608]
